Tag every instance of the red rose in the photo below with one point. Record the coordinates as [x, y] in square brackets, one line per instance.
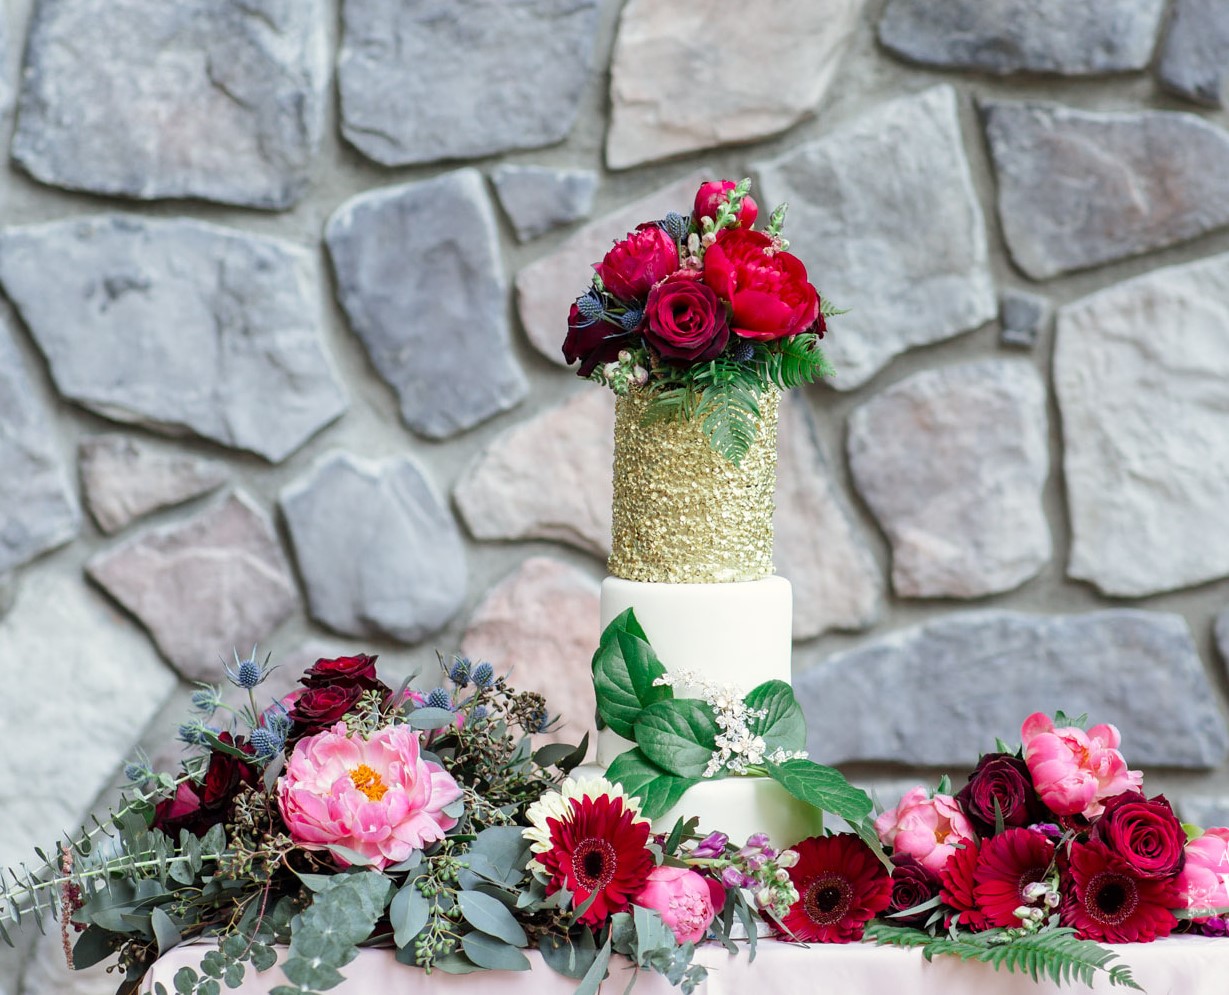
[685, 319]
[913, 884]
[226, 774]
[633, 265]
[1005, 779]
[197, 808]
[592, 341]
[359, 669]
[767, 288]
[1144, 833]
[317, 708]
[709, 198]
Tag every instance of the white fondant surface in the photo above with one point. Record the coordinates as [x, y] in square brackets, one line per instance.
[742, 806]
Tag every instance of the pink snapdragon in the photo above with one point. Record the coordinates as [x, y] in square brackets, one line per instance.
[926, 828]
[1204, 881]
[686, 901]
[1075, 771]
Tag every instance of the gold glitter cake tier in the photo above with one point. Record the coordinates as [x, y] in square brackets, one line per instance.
[683, 514]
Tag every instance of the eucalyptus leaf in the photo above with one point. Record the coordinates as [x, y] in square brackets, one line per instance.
[408, 912]
[263, 957]
[552, 753]
[165, 931]
[92, 947]
[491, 916]
[409, 864]
[658, 790]
[273, 769]
[570, 955]
[823, 787]
[783, 727]
[350, 856]
[593, 978]
[455, 963]
[427, 718]
[678, 735]
[505, 849]
[493, 954]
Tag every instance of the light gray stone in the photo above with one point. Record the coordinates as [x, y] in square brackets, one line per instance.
[125, 478]
[420, 278]
[539, 625]
[64, 648]
[202, 587]
[884, 215]
[547, 477]
[818, 548]
[178, 326]
[952, 462]
[939, 693]
[1221, 632]
[38, 509]
[431, 80]
[687, 76]
[47, 973]
[1081, 188]
[1194, 59]
[217, 99]
[1205, 811]
[1140, 370]
[1081, 38]
[379, 553]
[546, 287]
[8, 593]
[1024, 318]
[537, 198]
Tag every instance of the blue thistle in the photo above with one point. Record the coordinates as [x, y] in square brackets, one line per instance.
[742, 351]
[194, 733]
[246, 673]
[278, 721]
[590, 307]
[439, 698]
[483, 675]
[675, 225]
[458, 673]
[478, 714]
[207, 700]
[138, 771]
[631, 318]
[539, 721]
[265, 742]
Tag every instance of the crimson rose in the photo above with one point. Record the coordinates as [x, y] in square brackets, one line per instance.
[685, 319]
[196, 808]
[1144, 832]
[318, 708]
[711, 194]
[912, 884]
[633, 265]
[359, 669]
[592, 341]
[767, 288]
[1005, 779]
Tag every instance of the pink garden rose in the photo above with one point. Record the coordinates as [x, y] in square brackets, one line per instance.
[686, 901]
[376, 796]
[1204, 881]
[1075, 771]
[927, 829]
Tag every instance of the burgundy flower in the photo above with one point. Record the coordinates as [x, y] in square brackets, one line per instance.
[841, 886]
[1108, 901]
[196, 808]
[359, 670]
[317, 708]
[685, 319]
[913, 883]
[1144, 832]
[956, 892]
[637, 262]
[1004, 779]
[767, 289]
[592, 341]
[1007, 864]
[711, 194]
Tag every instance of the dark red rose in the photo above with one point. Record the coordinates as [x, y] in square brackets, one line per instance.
[912, 884]
[226, 774]
[592, 341]
[637, 262]
[180, 811]
[709, 198]
[1143, 832]
[685, 319]
[196, 808]
[766, 288]
[317, 708]
[1005, 779]
[359, 669]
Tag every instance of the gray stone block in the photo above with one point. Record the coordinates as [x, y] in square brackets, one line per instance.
[217, 99]
[938, 694]
[1194, 59]
[1024, 317]
[420, 278]
[1205, 811]
[537, 198]
[178, 326]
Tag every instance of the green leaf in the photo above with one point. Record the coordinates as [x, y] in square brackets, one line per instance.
[593, 978]
[784, 726]
[352, 857]
[165, 931]
[678, 735]
[455, 963]
[491, 916]
[185, 981]
[571, 956]
[408, 913]
[263, 957]
[823, 787]
[426, 718]
[233, 977]
[92, 947]
[658, 790]
[552, 753]
[503, 850]
[494, 955]
[624, 669]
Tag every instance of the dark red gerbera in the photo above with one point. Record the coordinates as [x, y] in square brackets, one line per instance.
[1007, 864]
[841, 886]
[956, 891]
[1109, 902]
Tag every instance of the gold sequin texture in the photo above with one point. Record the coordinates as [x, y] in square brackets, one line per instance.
[683, 514]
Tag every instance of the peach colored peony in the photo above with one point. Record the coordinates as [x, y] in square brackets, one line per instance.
[1075, 771]
[376, 796]
[1204, 881]
[927, 829]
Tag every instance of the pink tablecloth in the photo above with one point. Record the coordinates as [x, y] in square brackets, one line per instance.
[1184, 965]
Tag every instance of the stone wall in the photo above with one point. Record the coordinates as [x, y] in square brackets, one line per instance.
[279, 362]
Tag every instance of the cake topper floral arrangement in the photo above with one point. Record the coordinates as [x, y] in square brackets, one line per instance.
[705, 312]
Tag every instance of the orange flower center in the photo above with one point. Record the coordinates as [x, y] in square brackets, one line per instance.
[368, 782]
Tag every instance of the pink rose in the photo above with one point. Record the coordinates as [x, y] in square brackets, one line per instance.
[686, 901]
[927, 829]
[637, 262]
[1204, 881]
[711, 194]
[1075, 771]
[376, 796]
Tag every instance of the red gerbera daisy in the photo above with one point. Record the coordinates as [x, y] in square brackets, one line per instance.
[592, 842]
[1109, 902]
[841, 885]
[956, 878]
[1009, 863]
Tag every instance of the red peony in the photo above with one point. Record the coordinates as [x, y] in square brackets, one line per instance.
[711, 194]
[1007, 864]
[767, 288]
[1107, 901]
[1001, 778]
[841, 886]
[633, 265]
[685, 319]
[1144, 832]
[956, 886]
[359, 669]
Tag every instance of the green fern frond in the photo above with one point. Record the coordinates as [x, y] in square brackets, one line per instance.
[795, 361]
[830, 310]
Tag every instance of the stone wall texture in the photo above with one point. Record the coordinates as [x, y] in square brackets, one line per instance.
[285, 283]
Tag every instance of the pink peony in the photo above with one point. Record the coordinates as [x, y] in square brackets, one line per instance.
[686, 901]
[1075, 771]
[1204, 881]
[376, 796]
[927, 829]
